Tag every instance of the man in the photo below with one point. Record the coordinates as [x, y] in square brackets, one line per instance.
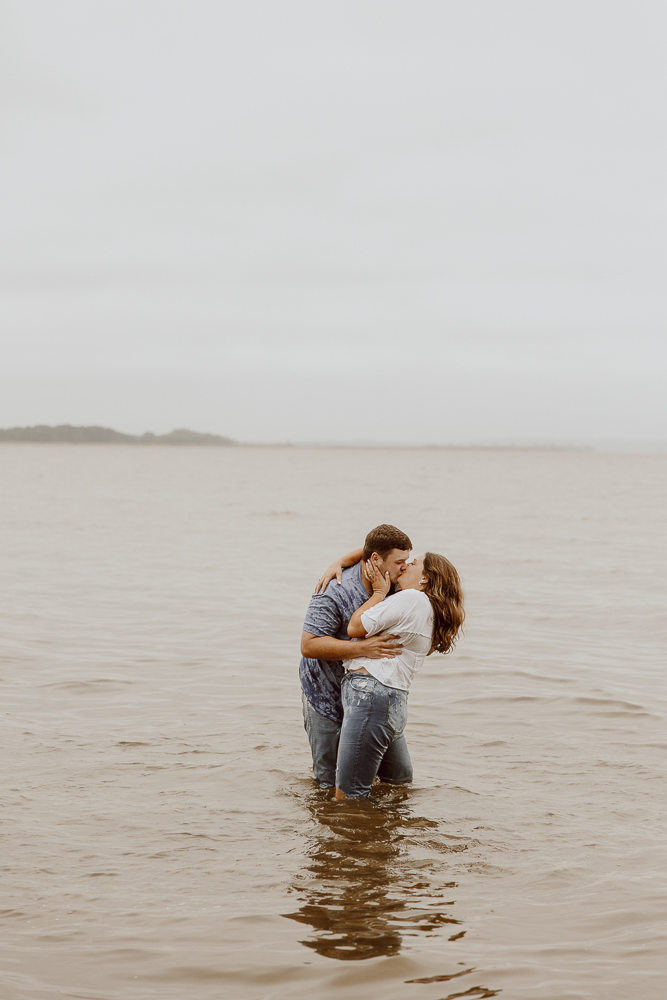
[325, 643]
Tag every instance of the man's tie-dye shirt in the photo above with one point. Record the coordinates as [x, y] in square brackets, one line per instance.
[329, 614]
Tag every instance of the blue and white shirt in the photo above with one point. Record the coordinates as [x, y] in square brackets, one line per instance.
[329, 614]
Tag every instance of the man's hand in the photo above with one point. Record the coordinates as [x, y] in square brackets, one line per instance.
[325, 647]
[380, 647]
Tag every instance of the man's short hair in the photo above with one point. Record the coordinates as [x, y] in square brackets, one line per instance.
[383, 539]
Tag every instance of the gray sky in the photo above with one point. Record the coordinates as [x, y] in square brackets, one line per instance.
[425, 221]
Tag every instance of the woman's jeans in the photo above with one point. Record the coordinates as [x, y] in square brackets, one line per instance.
[324, 738]
[371, 737]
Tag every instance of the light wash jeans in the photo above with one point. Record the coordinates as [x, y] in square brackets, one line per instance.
[395, 766]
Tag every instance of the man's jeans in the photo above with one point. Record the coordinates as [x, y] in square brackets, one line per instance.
[371, 735]
[394, 766]
[323, 736]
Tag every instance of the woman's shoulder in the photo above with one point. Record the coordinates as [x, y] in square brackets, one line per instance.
[411, 598]
[411, 610]
[409, 602]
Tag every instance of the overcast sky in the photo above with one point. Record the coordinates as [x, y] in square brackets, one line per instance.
[419, 221]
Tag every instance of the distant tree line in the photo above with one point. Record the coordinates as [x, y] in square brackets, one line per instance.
[105, 435]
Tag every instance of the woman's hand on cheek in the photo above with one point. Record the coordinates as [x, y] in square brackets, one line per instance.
[380, 581]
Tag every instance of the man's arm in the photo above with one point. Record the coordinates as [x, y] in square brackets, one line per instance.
[325, 647]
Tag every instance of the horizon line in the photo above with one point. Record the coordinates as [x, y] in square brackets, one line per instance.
[97, 434]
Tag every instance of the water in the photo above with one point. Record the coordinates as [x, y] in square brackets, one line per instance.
[161, 836]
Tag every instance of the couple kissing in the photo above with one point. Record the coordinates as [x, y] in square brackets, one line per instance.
[373, 619]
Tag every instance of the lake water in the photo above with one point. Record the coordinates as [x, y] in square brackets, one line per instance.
[162, 837]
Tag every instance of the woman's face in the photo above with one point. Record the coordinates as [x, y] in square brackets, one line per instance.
[412, 574]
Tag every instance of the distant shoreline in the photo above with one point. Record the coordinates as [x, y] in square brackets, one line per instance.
[68, 434]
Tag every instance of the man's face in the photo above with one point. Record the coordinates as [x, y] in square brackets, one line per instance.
[394, 562]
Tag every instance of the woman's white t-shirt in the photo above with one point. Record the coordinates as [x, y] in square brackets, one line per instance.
[409, 615]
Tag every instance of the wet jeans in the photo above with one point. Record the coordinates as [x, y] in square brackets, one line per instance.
[371, 738]
[324, 736]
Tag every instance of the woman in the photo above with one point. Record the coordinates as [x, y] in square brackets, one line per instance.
[427, 614]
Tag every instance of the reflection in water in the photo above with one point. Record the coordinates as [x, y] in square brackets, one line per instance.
[362, 892]
[475, 993]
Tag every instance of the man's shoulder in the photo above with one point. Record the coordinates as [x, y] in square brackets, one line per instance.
[336, 600]
[329, 613]
[350, 586]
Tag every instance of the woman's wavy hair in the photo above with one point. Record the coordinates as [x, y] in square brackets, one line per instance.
[444, 591]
